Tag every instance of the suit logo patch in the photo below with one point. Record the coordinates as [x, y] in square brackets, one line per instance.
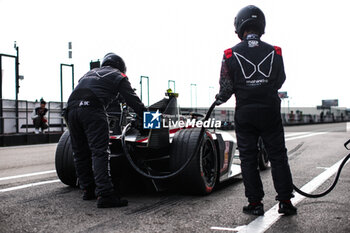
[253, 43]
[248, 68]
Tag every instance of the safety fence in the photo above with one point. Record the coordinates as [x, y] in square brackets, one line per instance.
[15, 119]
[290, 116]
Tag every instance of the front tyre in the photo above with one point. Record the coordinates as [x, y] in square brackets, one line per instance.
[64, 161]
[201, 174]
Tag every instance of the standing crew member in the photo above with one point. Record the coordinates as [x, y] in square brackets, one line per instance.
[89, 130]
[253, 70]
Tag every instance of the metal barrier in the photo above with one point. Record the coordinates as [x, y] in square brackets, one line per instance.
[15, 116]
[12, 121]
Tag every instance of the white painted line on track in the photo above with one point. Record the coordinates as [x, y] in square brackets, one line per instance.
[263, 223]
[226, 229]
[28, 146]
[325, 168]
[305, 136]
[28, 185]
[27, 175]
[294, 136]
[288, 135]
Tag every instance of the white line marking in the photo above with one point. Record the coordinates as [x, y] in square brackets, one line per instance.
[293, 138]
[28, 185]
[262, 223]
[288, 135]
[322, 168]
[227, 229]
[27, 146]
[27, 175]
[305, 136]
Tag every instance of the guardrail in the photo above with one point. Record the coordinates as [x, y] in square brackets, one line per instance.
[10, 123]
[290, 116]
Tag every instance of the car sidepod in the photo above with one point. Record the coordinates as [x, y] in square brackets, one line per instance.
[229, 163]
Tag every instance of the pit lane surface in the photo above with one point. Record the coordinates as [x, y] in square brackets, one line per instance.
[50, 206]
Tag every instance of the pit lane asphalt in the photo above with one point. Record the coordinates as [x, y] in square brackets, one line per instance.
[57, 208]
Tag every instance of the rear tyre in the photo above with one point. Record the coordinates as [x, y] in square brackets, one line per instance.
[64, 161]
[201, 174]
[263, 159]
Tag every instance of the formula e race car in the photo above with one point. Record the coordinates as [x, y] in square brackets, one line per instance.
[173, 155]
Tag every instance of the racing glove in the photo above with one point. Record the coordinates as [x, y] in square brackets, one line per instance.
[218, 100]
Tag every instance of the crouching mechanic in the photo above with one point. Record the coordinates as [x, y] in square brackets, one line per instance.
[89, 131]
[253, 70]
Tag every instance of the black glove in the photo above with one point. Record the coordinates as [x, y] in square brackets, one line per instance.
[137, 124]
[218, 100]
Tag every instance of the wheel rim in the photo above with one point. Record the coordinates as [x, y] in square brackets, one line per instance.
[208, 163]
[263, 155]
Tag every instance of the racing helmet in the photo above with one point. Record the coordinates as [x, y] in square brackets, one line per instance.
[115, 61]
[250, 16]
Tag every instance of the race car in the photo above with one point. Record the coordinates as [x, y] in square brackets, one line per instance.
[171, 156]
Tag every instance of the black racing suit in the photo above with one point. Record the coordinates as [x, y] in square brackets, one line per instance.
[253, 70]
[88, 125]
[40, 121]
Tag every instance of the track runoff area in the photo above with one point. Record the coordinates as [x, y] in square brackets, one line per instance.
[23, 173]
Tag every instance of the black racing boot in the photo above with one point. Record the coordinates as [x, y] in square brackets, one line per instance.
[89, 194]
[110, 201]
[287, 208]
[256, 208]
